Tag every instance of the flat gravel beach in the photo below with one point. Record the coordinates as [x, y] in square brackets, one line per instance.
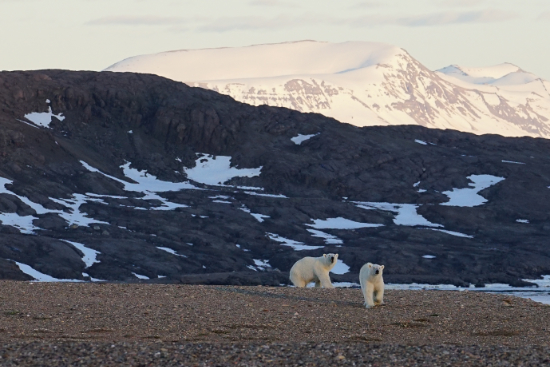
[59, 324]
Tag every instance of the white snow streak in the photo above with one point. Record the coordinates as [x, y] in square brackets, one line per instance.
[329, 239]
[148, 185]
[297, 246]
[340, 223]
[266, 195]
[90, 255]
[212, 170]
[41, 277]
[299, 139]
[457, 234]
[340, 268]
[468, 197]
[540, 294]
[406, 213]
[24, 223]
[170, 251]
[259, 217]
[259, 265]
[139, 276]
[43, 118]
[504, 161]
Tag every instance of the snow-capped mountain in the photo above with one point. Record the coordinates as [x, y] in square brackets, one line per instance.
[502, 75]
[363, 84]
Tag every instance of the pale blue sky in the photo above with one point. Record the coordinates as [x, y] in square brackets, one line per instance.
[93, 34]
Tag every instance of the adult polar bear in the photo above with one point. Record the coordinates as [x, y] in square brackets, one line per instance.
[313, 269]
[372, 284]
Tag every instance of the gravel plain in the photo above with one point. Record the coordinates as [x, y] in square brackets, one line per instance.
[62, 324]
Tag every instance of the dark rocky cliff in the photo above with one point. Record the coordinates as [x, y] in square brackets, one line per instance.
[208, 233]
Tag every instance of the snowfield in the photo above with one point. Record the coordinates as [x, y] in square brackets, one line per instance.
[43, 118]
[212, 170]
[469, 197]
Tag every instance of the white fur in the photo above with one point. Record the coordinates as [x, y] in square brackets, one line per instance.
[372, 284]
[313, 269]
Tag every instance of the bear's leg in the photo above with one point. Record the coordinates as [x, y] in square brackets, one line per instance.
[363, 289]
[368, 291]
[324, 279]
[317, 283]
[297, 281]
[379, 299]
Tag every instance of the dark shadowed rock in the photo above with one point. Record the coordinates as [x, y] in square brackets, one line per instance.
[68, 181]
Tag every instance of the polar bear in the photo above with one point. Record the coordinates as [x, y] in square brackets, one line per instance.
[313, 269]
[372, 284]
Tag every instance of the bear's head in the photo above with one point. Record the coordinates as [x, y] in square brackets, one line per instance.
[331, 258]
[376, 269]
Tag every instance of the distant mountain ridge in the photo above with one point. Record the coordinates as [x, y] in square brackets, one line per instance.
[364, 84]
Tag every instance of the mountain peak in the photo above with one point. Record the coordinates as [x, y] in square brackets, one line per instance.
[484, 75]
[364, 84]
[260, 61]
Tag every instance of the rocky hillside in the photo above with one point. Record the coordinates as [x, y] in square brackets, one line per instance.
[364, 84]
[121, 177]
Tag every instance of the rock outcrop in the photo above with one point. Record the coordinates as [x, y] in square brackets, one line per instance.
[129, 177]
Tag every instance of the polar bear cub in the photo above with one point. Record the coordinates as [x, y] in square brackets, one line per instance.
[372, 284]
[313, 269]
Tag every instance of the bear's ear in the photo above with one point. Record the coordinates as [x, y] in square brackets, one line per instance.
[370, 265]
[324, 255]
[381, 267]
[336, 256]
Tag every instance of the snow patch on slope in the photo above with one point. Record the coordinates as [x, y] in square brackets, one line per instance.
[148, 185]
[329, 239]
[259, 217]
[340, 223]
[299, 139]
[139, 276]
[170, 251]
[259, 265]
[43, 118]
[41, 277]
[452, 233]
[540, 294]
[217, 170]
[280, 196]
[340, 268]
[75, 216]
[90, 255]
[406, 213]
[297, 246]
[468, 197]
[25, 223]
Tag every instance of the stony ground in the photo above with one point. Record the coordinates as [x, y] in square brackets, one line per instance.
[137, 324]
